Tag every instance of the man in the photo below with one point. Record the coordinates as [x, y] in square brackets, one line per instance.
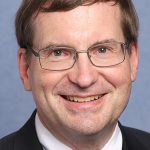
[79, 59]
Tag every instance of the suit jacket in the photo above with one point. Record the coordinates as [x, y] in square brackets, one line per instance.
[26, 138]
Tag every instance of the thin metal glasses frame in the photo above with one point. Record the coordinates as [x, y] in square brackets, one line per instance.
[36, 53]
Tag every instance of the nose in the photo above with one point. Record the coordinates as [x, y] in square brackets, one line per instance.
[83, 73]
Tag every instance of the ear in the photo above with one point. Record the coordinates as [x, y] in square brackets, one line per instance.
[24, 68]
[134, 61]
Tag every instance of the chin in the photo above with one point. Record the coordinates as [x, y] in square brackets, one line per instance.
[88, 128]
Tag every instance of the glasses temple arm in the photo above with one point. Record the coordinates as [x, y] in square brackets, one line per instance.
[33, 51]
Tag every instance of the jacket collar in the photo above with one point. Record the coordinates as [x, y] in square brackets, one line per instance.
[26, 137]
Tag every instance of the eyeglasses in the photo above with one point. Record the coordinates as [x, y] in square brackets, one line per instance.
[58, 58]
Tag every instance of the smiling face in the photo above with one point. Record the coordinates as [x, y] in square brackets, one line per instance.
[85, 99]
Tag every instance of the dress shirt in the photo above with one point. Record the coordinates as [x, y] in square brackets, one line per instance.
[50, 142]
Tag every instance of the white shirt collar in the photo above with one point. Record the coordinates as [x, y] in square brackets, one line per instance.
[115, 142]
[50, 142]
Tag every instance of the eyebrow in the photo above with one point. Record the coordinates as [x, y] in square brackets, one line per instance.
[51, 44]
[105, 41]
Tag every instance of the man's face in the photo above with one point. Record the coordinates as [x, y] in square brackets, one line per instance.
[110, 86]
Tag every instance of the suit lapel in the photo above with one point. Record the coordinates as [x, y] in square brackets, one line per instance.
[26, 138]
[129, 139]
[124, 142]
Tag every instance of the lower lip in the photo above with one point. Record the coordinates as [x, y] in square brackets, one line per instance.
[84, 105]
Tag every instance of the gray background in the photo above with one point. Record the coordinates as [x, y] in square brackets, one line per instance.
[16, 105]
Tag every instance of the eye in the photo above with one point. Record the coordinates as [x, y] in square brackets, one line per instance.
[51, 53]
[57, 52]
[102, 49]
[61, 52]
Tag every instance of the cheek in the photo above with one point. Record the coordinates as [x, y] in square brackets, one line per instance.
[119, 75]
[50, 80]
[120, 78]
[43, 87]
[44, 82]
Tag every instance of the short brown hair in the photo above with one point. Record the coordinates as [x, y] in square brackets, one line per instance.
[30, 8]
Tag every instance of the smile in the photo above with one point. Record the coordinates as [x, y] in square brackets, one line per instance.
[83, 99]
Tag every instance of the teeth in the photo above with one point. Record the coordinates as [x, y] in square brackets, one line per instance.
[70, 98]
[80, 99]
[96, 97]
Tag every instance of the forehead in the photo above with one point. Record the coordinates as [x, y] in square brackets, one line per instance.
[83, 22]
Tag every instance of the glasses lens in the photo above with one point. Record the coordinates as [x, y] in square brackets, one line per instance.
[107, 54]
[57, 58]
[101, 55]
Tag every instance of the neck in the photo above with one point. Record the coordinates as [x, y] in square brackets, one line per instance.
[94, 141]
[79, 141]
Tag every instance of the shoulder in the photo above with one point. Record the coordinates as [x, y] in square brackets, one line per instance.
[25, 138]
[7, 142]
[137, 133]
[135, 138]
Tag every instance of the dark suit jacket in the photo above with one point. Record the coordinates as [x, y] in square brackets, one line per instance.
[26, 138]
